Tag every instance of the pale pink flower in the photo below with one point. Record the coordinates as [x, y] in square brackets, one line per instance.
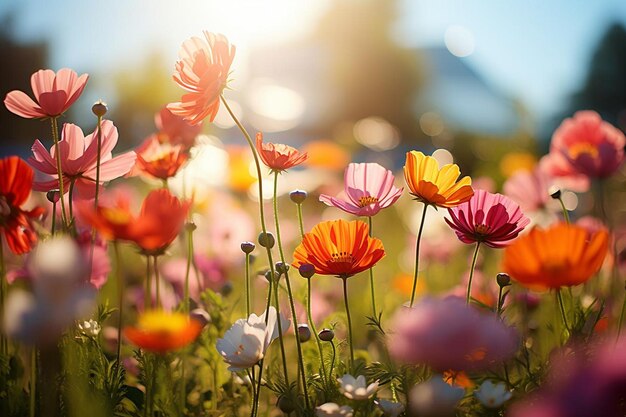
[368, 188]
[54, 94]
[563, 173]
[176, 129]
[492, 219]
[447, 334]
[79, 157]
[592, 147]
[531, 190]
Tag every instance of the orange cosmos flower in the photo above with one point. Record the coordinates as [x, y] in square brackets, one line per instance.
[340, 248]
[159, 222]
[278, 157]
[432, 185]
[562, 255]
[160, 332]
[160, 160]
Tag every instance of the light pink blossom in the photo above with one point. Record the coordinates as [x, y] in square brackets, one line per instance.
[176, 129]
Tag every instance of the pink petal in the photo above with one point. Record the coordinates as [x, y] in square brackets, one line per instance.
[19, 103]
[42, 82]
[42, 161]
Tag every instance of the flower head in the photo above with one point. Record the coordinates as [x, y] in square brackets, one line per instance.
[79, 158]
[160, 160]
[333, 410]
[278, 157]
[339, 248]
[592, 147]
[356, 388]
[54, 94]
[368, 187]
[435, 398]
[435, 186]
[246, 342]
[202, 70]
[390, 408]
[492, 219]
[493, 395]
[176, 130]
[561, 255]
[160, 331]
[16, 180]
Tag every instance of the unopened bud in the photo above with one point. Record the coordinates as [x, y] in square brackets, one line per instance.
[247, 247]
[266, 239]
[268, 275]
[298, 196]
[503, 279]
[281, 267]
[326, 335]
[285, 404]
[555, 192]
[200, 315]
[306, 270]
[190, 227]
[99, 108]
[304, 333]
[53, 196]
[226, 289]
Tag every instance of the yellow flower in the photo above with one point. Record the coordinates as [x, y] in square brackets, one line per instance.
[435, 186]
[159, 331]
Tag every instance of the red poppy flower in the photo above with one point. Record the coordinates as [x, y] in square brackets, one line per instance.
[160, 160]
[161, 332]
[278, 157]
[16, 181]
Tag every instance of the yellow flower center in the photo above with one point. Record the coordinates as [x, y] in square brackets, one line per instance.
[342, 257]
[116, 216]
[583, 148]
[162, 322]
[367, 200]
[482, 229]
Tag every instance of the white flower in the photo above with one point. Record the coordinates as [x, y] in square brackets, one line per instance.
[390, 408]
[356, 388]
[89, 328]
[435, 398]
[245, 343]
[333, 410]
[492, 395]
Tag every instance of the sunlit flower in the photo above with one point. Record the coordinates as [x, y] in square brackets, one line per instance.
[561, 255]
[492, 395]
[593, 147]
[277, 156]
[160, 160]
[390, 408]
[435, 398]
[356, 388]
[368, 187]
[563, 174]
[89, 328]
[161, 217]
[160, 331]
[16, 180]
[531, 190]
[333, 410]
[450, 335]
[54, 94]
[492, 219]
[246, 342]
[339, 248]
[202, 70]
[79, 158]
[175, 129]
[435, 186]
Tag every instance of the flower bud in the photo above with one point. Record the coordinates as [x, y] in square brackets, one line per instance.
[53, 196]
[285, 404]
[555, 193]
[503, 279]
[298, 196]
[268, 275]
[200, 315]
[266, 239]
[226, 289]
[326, 335]
[281, 267]
[99, 108]
[247, 247]
[304, 333]
[306, 270]
[190, 227]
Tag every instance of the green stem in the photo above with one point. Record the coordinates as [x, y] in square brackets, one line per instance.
[345, 300]
[70, 198]
[54, 218]
[98, 161]
[289, 292]
[57, 151]
[372, 277]
[565, 212]
[332, 362]
[247, 284]
[120, 290]
[188, 268]
[317, 336]
[621, 317]
[562, 308]
[258, 391]
[500, 302]
[157, 283]
[280, 332]
[469, 284]
[33, 382]
[417, 254]
[300, 222]
[147, 301]
[252, 382]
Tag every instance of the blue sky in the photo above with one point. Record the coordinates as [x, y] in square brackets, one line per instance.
[533, 50]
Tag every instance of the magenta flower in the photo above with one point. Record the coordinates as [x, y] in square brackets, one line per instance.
[492, 219]
[79, 156]
[447, 334]
[591, 146]
[54, 94]
[368, 188]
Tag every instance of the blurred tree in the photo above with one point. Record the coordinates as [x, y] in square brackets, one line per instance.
[371, 73]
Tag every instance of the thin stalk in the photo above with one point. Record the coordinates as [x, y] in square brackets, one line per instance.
[54, 218]
[120, 290]
[317, 336]
[621, 317]
[98, 161]
[562, 308]
[332, 362]
[252, 382]
[156, 279]
[565, 212]
[188, 268]
[247, 284]
[345, 300]
[417, 254]
[300, 222]
[70, 198]
[33, 382]
[469, 284]
[500, 302]
[147, 299]
[372, 277]
[280, 332]
[57, 152]
[3, 289]
[258, 391]
[289, 292]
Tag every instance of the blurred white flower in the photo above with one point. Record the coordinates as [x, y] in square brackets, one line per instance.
[356, 388]
[492, 395]
[90, 328]
[390, 408]
[245, 343]
[333, 410]
[435, 398]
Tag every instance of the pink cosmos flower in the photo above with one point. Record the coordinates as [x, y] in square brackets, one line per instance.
[563, 173]
[79, 156]
[176, 129]
[368, 188]
[591, 146]
[54, 94]
[447, 334]
[203, 71]
[530, 189]
[492, 219]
